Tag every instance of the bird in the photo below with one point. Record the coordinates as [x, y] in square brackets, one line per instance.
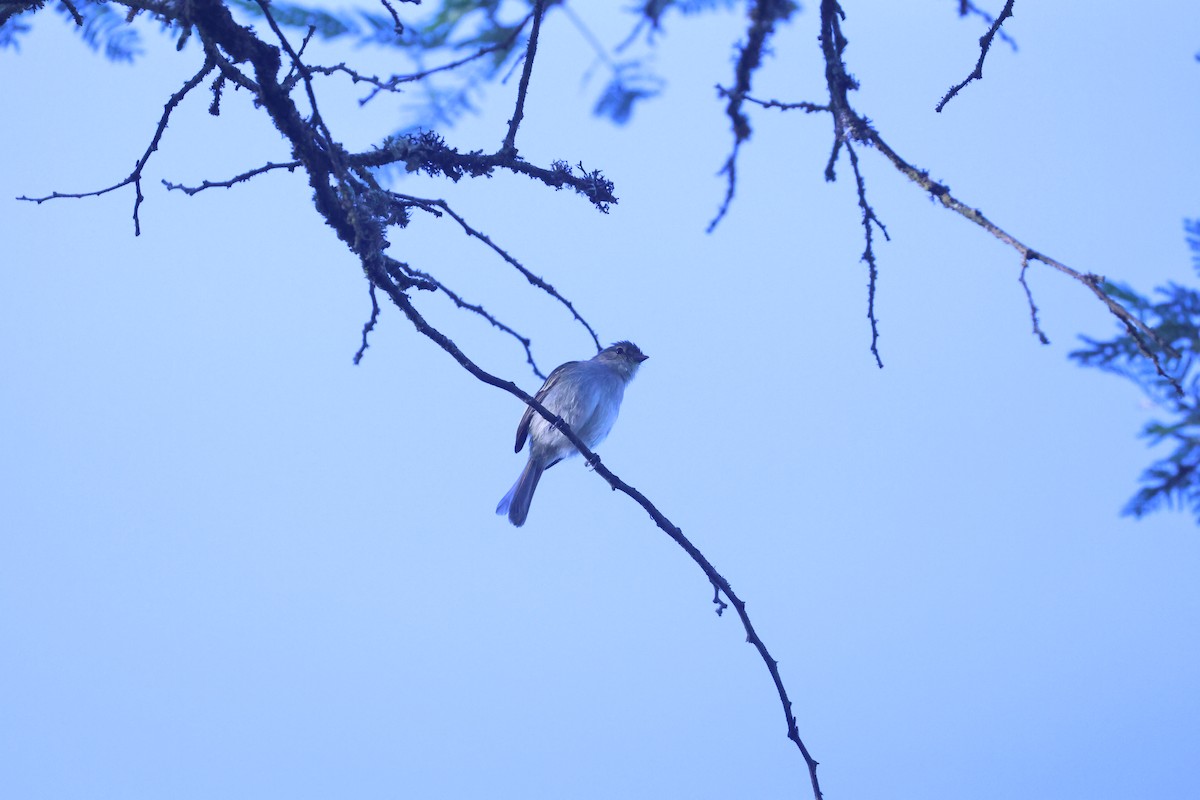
[587, 396]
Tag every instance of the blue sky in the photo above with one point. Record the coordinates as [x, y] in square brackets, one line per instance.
[234, 564]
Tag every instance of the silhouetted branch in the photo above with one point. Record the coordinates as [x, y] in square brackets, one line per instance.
[384, 274]
[135, 177]
[510, 139]
[398, 25]
[333, 151]
[393, 83]
[369, 325]
[849, 127]
[75, 15]
[474, 308]
[966, 7]
[763, 16]
[722, 586]
[433, 206]
[809, 108]
[1033, 309]
[366, 240]
[985, 44]
[290, 166]
[1138, 330]
[868, 219]
[437, 208]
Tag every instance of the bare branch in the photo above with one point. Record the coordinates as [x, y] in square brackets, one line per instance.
[75, 15]
[369, 325]
[985, 44]
[398, 26]
[228, 71]
[729, 170]
[1033, 309]
[763, 16]
[286, 84]
[432, 207]
[849, 126]
[135, 177]
[966, 7]
[510, 139]
[1141, 333]
[715, 578]
[803, 106]
[348, 200]
[868, 219]
[290, 166]
[293, 75]
[393, 83]
[475, 308]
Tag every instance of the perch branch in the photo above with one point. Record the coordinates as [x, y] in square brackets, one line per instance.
[721, 585]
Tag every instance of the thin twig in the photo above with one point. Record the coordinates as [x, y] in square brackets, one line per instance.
[868, 219]
[763, 16]
[306, 75]
[369, 325]
[428, 204]
[1033, 309]
[985, 44]
[729, 170]
[476, 309]
[393, 83]
[510, 139]
[397, 25]
[358, 224]
[807, 107]
[290, 166]
[721, 585]
[135, 177]
[1141, 332]
[849, 126]
[966, 7]
[290, 79]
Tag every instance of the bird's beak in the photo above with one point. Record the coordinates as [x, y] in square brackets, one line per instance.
[642, 358]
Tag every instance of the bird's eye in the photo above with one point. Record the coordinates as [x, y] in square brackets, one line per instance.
[620, 351]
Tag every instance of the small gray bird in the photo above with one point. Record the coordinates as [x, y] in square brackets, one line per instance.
[587, 395]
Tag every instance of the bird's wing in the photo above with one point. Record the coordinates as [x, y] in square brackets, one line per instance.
[527, 417]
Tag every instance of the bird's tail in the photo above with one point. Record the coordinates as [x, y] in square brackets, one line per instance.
[516, 502]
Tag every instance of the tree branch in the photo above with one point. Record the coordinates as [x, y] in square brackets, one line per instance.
[849, 126]
[369, 325]
[868, 220]
[290, 166]
[763, 16]
[393, 83]
[432, 206]
[367, 241]
[1033, 309]
[985, 44]
[510, 139]
[135, 177]
[720, 584]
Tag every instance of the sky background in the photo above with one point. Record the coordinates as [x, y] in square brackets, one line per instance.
[232, 564]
